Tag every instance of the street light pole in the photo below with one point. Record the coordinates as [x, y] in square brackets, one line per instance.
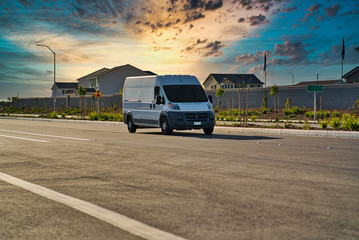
[292, 77]
[54, 91]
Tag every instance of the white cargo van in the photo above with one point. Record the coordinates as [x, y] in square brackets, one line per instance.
[169, 102]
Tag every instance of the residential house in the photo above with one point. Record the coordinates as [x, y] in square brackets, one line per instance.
[111, 81]
[352, 76]
[64, 88]
[228, 81]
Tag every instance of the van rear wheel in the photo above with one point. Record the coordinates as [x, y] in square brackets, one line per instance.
[208, 131]
[131, 125]
[165, 126]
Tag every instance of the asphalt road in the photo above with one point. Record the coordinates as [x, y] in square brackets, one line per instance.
[224, 186]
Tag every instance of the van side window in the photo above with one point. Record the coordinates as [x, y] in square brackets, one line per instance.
[157, 91]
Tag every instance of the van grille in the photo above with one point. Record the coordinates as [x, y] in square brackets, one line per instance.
[196, 116]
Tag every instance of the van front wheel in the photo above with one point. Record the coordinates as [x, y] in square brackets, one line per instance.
[165, 127]
[208, 131]
[131, 125]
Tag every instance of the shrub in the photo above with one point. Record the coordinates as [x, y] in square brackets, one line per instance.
[235, 112]
[253, 118]
[264, 110]
[63, 115]
[326, 114]
[351, 123]
[309, 114]
[306, 125]
[224, 113]
[94, 116]
[287, 125]
[323, 123]
[276, 119]
[335, 114]
[345, 117]
[335, 123]
[286, 111]
[291, 116]
[52, 115]
[72, 111]
[104, 117]
[295, 110]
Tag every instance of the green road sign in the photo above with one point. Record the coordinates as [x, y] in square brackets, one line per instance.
[315, 88]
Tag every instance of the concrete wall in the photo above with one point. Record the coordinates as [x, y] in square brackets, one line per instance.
[70, 102]
[334, 97]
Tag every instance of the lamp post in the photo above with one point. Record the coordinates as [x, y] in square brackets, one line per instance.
[54, 91]
[292, 77]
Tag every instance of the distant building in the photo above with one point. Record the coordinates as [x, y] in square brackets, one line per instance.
[64, 88]
[352, 76]
[227, 81]
[90, 80]
[110, 81]
[324, 82]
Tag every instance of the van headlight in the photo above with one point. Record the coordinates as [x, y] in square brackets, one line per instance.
[209, 106]
[173, 106]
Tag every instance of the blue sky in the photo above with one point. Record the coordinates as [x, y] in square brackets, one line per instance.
[196, 37]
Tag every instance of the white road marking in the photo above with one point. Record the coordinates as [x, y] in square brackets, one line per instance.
[130, 225]
[28, 139]
[45, 135]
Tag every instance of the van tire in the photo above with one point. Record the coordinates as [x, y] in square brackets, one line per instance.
[165, 126]
[131, 125]
[208, 131]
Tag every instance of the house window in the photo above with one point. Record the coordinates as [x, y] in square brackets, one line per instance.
[215, 87]
[93, 83]
[63, 92]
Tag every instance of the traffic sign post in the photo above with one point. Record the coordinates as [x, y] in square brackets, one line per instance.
[98, 94]
[315, 89]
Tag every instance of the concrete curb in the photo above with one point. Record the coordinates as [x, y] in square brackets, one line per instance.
[294, 132]
[65, 120]
[241, 130]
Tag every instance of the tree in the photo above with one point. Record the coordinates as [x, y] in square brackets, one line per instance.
[219, 95]
[82, 92]
[287, 104]
[273, 91]
[264, 103]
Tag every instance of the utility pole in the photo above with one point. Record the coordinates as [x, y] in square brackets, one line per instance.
[54, 90]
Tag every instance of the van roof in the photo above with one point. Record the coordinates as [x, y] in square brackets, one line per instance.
[173, 79]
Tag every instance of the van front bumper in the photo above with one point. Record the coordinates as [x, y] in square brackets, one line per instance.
[191, 120]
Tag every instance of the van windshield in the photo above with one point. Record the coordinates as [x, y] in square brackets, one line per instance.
[185, 93]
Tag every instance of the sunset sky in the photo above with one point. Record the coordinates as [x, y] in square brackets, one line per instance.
[196, 37]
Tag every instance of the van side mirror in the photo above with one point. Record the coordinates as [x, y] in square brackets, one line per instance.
[210, 98]
[159, 100]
